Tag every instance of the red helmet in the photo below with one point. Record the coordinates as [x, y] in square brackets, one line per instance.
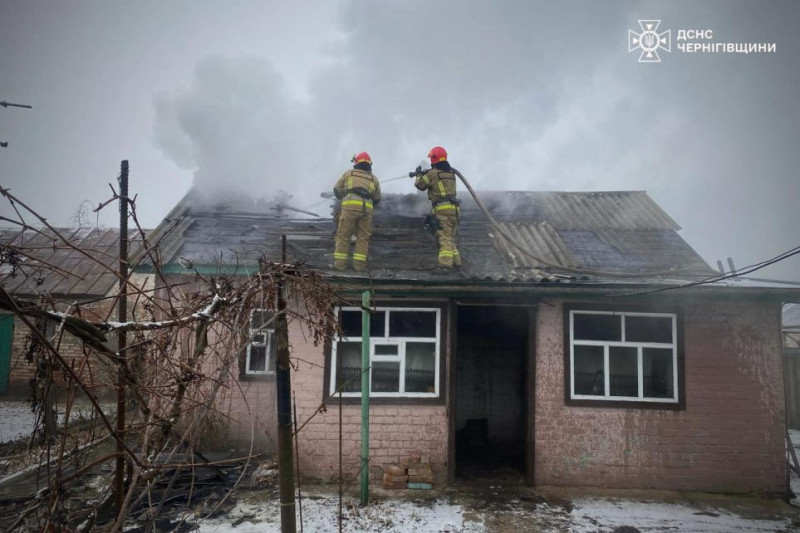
[437, 154]
[361, 157]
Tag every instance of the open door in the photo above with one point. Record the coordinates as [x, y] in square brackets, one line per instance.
[491, 394]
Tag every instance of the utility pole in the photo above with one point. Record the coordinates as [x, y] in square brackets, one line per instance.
[284, 386]
[122, 312]
[6, 105]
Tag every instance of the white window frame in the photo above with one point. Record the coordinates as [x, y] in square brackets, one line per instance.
[400, 342]
[269, 338]
[628, 344]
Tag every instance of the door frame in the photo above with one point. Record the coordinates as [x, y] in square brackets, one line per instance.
[530, 386]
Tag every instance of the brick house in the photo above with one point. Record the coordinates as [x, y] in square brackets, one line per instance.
[602, 369]
[50, 271]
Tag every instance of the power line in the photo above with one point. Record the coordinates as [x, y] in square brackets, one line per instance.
[713, 279]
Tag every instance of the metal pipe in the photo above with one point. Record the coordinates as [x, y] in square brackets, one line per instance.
[297, 461]
[365, 387]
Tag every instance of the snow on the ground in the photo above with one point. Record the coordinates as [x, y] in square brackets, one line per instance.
[16, 420]
[588, 515]
[794, 478]
[604, 515]
[320, 516]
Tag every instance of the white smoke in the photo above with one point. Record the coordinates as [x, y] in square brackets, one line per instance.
[525, 96]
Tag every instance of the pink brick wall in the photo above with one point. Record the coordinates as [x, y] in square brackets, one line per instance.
[395, 430]
[95, 372]
[729, 438]
[252, 416]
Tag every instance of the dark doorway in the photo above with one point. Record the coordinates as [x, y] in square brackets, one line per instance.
[490, 393]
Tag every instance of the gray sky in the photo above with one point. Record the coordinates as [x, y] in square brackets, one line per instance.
[258, 97]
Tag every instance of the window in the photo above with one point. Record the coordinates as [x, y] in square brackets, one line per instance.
[261, 349]
[623, 356]
[403, 351]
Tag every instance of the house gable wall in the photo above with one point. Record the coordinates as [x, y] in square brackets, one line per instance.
[729, 438]
[97, 373]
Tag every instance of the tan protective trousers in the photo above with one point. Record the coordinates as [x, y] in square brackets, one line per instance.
[350, 222]
[448, 253]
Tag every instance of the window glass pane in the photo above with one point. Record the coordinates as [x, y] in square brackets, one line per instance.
[351, 323]
[258, 338]
[349, 354]
[386, 349]
[272, 346]
[412, 323]
[597, 327]
[271, 350]
[589, 370]
[258, 359]
[385, 377]
[658, 373]
[648, 329]
[377, 324]
[420, 367]
[624, 372]
[260, 317]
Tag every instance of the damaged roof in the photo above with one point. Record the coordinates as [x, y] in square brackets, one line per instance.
[555, 236]
[37, 261]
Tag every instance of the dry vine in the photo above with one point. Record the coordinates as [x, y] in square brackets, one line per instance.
[181, 360]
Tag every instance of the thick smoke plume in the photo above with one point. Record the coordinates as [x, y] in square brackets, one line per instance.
[524, 97]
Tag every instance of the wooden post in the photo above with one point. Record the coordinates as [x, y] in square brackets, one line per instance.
[284, 387]
[122, 316]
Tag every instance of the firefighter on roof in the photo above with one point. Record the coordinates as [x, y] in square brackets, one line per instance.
[359, 190]
[440, 182]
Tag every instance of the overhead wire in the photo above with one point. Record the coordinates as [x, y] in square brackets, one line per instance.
[717, 278]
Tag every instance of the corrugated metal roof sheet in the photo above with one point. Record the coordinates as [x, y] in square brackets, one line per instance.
[622, 232]
[633, 210]
[53, 267]
[532, 239]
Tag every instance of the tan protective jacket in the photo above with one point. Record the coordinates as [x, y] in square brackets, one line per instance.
[358, 190]
[441, 187]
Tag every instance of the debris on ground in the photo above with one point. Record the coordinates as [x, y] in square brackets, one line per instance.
[219, 493]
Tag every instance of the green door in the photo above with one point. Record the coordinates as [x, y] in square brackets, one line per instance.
[6, 333]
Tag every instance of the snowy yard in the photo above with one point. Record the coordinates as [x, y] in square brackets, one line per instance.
[514, 509]
[501, 509]
[16, 420]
